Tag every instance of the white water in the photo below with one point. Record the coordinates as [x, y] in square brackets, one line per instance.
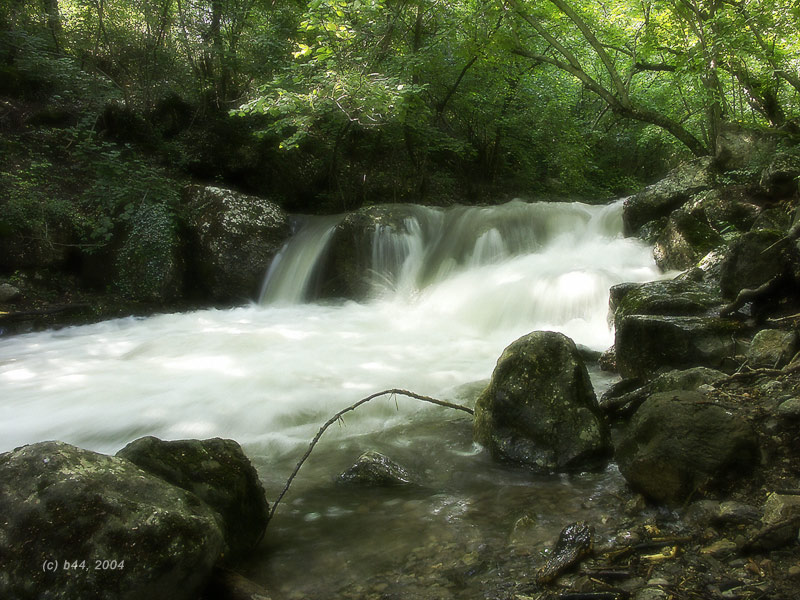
[267, 376]
[450, 291]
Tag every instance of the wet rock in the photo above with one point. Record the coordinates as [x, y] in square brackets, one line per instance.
[608, 360]
[375, 469]
[670, 297]
[8, 293]
[755, 258]
[780, 507]
[348, 269]
[684, 241]
[648, 343]
[772, 348]
[216, 471]
[660, 199]
[540, 409]
[677, 444]
[235, 237]
[574, 543]
[61, 503]
[720, 549]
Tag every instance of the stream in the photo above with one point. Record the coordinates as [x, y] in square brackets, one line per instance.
[448, 293]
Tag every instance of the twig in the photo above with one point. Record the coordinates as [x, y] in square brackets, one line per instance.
[338, 417]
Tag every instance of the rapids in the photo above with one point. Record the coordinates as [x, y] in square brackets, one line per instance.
[448, 294]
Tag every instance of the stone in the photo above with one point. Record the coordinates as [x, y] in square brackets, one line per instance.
[539, 409]
[740, 148]
[720, 548]
[772, 349]
[780, 177]
[375, 469]
[648, 343]
[348, 269]
[772, 219]
[8, 293]
[790, 409]
[684, 241]
[150, 265]
[779, 507]
[125, 534]
[668, 297]
[753, 259]
[234, 238]
[216, 471]
[661, 198]
[677, 445]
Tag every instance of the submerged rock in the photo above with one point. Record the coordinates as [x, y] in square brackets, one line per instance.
[219, 473]
[375, 469]
[539, 409]
[677, 445]
[77, 524]
[235, 238]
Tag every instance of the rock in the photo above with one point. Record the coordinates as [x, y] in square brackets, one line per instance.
[727, 210]
[647, 343]
[126, 534]
[608, 360]
[780, 177]
[669, 297]
[574, 543]
[677, 445]
[773, 219]
[348, 269]
[708, 513]
[375, 469]
[780, 507]
[738, 148]
[790, 409]
[720, 549]
[150, 265]
[660, 199]
[539, 409]
[625, 397]
[216, 471]
[8, 293]
[772, 349]
[753, 259]
[235, 237]
[684, 241]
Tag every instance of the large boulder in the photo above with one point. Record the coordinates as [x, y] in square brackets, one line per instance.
[685, 239]
[539, 409]
[668, 297]
[646, 344]
[234, 238]
[677, 445]
[756, 258]
[150, 264]
[661, 198]
[739, 148]
[77, 524]
[349, 266]
[217, 472]
[780, 177]
[772, 348]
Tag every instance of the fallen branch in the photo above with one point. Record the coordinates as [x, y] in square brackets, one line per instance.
[352, 407]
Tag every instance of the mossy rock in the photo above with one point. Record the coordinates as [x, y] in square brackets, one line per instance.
[674, 297]
[540, 410]
[684, 241]
[61, 503]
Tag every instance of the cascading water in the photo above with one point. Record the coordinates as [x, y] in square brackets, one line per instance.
[449, 290]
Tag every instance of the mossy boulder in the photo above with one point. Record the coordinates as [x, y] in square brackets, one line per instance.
[126, 534]
[678, 445]
[669, 297]
[781, 176]
[216, 471]
[149, 264]
[772, 348]
[540, 410]
[646, 344]
[234, 238]
[661, 198]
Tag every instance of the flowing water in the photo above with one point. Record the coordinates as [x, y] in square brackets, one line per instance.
[450, 289]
